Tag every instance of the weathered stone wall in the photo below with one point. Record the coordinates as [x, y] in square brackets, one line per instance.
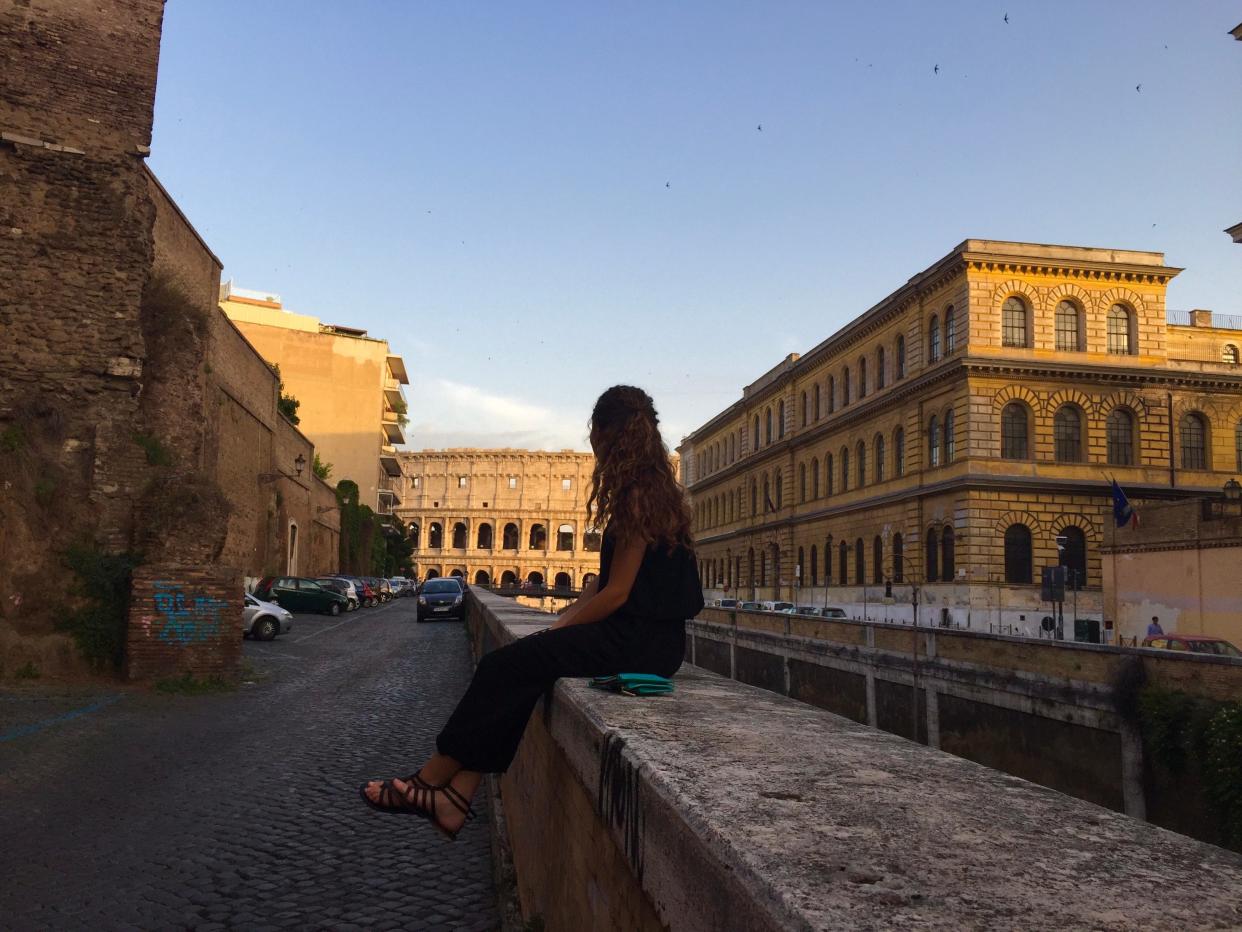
[75, 249]
[184, 620]
[726, 807]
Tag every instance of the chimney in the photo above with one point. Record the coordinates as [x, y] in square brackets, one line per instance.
[1200, 318]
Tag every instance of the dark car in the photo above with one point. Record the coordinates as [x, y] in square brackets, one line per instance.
[300, 595]
[441, 598]
[341, 586]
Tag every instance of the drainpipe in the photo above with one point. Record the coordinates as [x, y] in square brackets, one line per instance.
[1172, 463]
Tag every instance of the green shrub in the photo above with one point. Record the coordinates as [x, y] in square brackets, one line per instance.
[103, 586]
[157, 453]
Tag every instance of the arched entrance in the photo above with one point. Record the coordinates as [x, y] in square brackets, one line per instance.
[588, 578]
[433, 573]
[535, 578]
[510, 541]
[563, 581]
[508, 578]
[538, 537]
[458, 572]
[485, 537]
[482, 578]
[459, 536]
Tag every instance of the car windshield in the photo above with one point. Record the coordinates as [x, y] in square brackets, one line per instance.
[251, 600]
[781, 606]
[807, 610]
[1219, 648]
[442, 585]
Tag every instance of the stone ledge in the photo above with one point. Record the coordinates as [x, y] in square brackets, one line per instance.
[737, 808]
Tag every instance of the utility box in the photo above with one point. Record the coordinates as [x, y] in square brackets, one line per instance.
[1052, 584]
[1087, 630]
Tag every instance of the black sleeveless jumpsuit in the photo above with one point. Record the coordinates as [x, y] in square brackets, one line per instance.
[646, 635]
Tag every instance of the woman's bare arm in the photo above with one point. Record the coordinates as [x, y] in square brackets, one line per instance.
[587, 593]
[625, 563]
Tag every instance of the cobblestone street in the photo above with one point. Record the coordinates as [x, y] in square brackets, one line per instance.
[125, 809]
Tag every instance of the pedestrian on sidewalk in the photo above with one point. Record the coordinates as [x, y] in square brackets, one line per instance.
[630, 619]
[1154, 630]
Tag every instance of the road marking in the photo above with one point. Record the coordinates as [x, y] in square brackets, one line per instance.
[24, 730]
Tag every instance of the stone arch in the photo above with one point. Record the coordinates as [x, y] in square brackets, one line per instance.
[535, 578]
[1016, 287]
[1072, 396]
[1070, 291]
[482, 578]
[509, 578]
[1018, 393]
[1088, 523]
[1017, 517]
[563, 580]
[1123, 296]
[433, 572]
[458, 571]
[1123, 399]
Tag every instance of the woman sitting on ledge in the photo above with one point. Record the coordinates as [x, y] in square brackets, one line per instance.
[631, 619]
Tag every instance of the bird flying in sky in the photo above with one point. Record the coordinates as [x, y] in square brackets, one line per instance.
[936, 70]
[1006, 17]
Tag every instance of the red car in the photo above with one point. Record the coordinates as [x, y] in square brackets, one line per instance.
[1194, 643]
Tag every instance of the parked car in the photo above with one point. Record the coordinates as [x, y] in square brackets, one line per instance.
[343, 586]
[750, 607]
[402, 587]
[300, 595]
[729, 603]
[382, 586]
[441, 598]
[810, 610]
[777, 606]
[1194, 643]
[831, 611]
[367, 596]
[264, 620]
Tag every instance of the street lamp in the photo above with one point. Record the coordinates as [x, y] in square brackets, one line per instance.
[1233, 497]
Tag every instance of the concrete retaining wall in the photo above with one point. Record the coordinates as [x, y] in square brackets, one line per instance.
[724, 806]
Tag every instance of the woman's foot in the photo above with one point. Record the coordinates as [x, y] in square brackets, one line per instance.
[444, 806]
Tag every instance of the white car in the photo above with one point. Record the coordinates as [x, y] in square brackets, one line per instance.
[264, 620]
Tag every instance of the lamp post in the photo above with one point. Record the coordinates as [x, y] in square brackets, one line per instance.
[1233, 497]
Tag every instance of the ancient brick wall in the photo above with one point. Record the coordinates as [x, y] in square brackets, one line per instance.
[184, 620]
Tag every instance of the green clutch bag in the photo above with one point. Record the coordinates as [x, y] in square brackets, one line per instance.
[634, 684]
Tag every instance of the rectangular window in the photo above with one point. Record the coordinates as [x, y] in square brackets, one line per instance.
[513, 482]
[566, 485]
[461, 482]
[418, 481]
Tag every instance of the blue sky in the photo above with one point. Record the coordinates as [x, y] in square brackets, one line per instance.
[533, 201]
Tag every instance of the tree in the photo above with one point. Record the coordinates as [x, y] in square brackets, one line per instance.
[287, 405]
[321, 469]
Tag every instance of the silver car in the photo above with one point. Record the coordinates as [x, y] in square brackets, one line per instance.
[264, 620]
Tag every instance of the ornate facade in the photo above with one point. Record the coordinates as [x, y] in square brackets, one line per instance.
[938, 451]
[500, 516]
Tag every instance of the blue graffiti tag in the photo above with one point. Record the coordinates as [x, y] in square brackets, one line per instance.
[186, 620]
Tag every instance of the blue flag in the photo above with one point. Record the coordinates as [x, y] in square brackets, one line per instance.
[1123, 511]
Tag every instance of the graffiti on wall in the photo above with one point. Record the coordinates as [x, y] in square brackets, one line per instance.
[185, 619]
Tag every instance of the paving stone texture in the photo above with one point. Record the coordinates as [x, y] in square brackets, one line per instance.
[240, 811]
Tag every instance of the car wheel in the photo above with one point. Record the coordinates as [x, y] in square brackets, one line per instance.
[334, 609]
[266, 629]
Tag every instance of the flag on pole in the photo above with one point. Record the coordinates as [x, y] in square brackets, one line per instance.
[1123, 511]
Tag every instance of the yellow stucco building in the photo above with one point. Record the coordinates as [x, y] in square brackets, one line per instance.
[500, 516]
[348, 385]
[960, 435]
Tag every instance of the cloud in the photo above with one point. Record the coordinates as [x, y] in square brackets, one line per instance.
[444, 413]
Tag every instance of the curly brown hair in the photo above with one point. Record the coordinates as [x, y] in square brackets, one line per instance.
[633, 490]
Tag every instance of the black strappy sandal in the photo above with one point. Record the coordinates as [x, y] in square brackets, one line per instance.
[392, 800]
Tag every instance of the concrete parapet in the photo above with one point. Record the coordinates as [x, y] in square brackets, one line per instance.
[727, 807]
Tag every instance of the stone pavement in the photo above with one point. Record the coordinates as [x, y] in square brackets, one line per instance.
[126, 809]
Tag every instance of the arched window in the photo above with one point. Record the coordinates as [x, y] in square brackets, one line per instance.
[948, 555]
[780, 419]
[899, 453]
[843, 560]
[879, 368]
[1017, 554]
[802, 482]
[933, 339]
[801, 560]
[814, 566]
[1067, 434]
[1120, 431]
[508, 578]
[591, 541]
[1068, 328]
[750, 566]
[879, 457]
[780, 490]
[862, 377]
[815, 401]
[950, 442]
[767, 496]
[861, 456]
[1194, 441]
[562, 581]
[1072, 548]
[538, 539]
[483, 540]
[877, 560]
[932, 569]
[435, 538]
[1120, 337]
[1229, 354]
[829, 475]
[845, 469]
[413, 534]
[900, 363]
[899, 559]
[804, 409]
[754, 497]
[776, 565]
[860, 566]
[1013, 322]
[767, 426]
[950, 330]
[933, 441]
[763, 568]
[832, 393]
[815, 478]
[845, 387]
[754, 435]
[510, 539]
[459, 536]
[1015, 443]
